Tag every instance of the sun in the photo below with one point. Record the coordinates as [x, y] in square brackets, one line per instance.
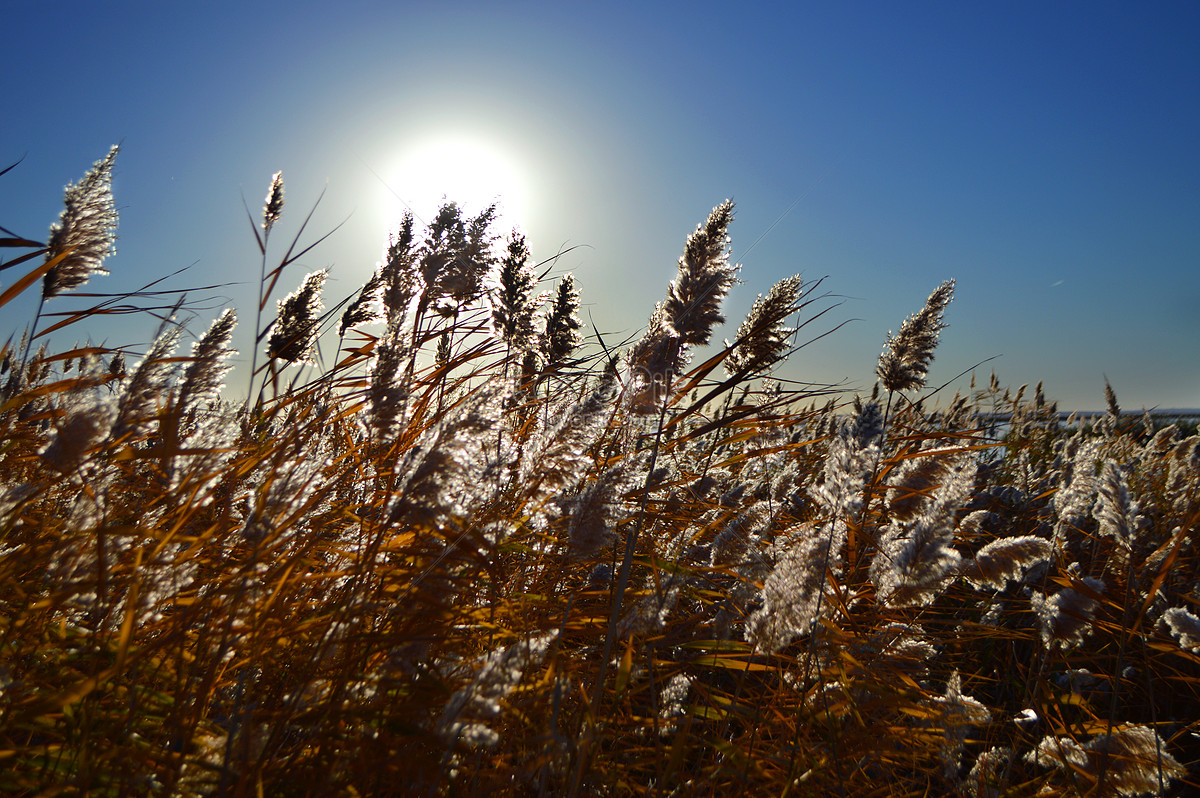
[456, 167]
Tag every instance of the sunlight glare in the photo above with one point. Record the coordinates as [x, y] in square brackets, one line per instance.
[466, 169]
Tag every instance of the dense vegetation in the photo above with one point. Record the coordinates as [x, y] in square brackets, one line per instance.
[465, 558]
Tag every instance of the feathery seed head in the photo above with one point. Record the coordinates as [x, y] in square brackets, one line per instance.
[1077, 484]
[513, 302]
[501, 673]
[444, 351]
[1185, 626]
[448, 471]
[86, 421]
[595, 511]
[366, 306]
[910, 488]
[562, 324]
[687, 316]
[915, 557]
[1110, 399]
[202, 378]
[1116, 512]
[146, 385]
[290, 485]
[386, 394]
[1133, 760]
[274, 203]
[762, 338]
[736, 544]
[457, 253]
[654, 361]
[649, 615]
[295, 329]
[793, 593]
[1005, 559]
[904, 364]
[401, 275]
[958, 713]
[1066, 616]
[562, 456]
[671, 702]
[868, 426]
[443, 238]
[85, 232]
[116, 366]
[693, 304]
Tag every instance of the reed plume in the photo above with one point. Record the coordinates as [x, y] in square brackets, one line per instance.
[386, 391]
[501, 673]
[209, 444]
[84, 423]
[811, 555]
[273, 207]
[559, 458]
[693, 304]
[366, 307]
[85, 232]
[1185, 626]
[294, 333]
[1004, 560]
[146, 386]
[904, 364]
[444, 475]
[273, 507]
[792, 592]
[1110, 401]
[116, 367]
[456, 255]
[595, 511]
[762, 338]
[562, 324]
[1129, 761]
[1066, 617]
[654, 361]
[915, 557]
[959, 714]
[671, 702]
[202, 378]
[737, 543]
[1073, 501]
[910, 490]
[1116, 513]
[513, 301]
[692, 308]
[649, 615]
[401, 274]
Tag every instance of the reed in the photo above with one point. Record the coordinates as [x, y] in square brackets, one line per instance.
[407, 571]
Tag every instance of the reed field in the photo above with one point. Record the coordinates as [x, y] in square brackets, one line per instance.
[481, 551]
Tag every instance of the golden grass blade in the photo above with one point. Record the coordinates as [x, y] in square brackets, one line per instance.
[26, 257]
[32, 277]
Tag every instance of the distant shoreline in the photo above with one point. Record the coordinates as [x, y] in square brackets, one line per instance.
[1064, 415]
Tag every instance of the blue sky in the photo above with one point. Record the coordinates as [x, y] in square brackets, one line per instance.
[1044, 155]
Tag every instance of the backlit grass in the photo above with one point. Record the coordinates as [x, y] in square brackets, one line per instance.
[474, 554]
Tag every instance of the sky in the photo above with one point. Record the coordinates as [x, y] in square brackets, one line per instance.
[1044, 155]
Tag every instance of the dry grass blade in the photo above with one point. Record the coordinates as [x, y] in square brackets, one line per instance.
[17, 288]
[407, 571]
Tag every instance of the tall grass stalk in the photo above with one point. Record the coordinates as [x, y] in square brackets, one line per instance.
[404, 570]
